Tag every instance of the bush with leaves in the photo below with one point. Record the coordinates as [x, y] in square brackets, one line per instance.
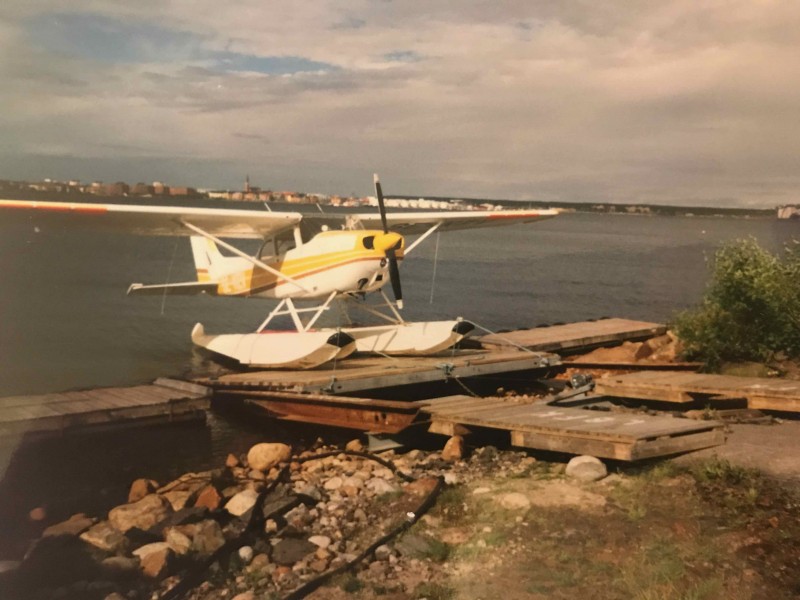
[751, 309]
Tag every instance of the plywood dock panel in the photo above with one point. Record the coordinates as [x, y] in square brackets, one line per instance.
[573, 337]
[760, 392]
[619, 436]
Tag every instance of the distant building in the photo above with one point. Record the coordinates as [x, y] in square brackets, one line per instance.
[142, 189]
[160, 189]
[182, 191]
[789, 211]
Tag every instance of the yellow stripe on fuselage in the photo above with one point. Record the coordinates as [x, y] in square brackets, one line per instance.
[252, 280]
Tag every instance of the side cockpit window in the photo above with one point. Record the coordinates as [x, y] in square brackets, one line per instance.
[369, 242]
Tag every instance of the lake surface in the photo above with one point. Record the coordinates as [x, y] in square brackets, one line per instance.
[65, 323]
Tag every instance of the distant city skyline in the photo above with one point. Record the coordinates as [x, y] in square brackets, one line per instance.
[686, 102]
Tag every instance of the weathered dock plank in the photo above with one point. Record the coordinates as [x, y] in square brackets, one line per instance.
[163, 401]
[760, 392]
[574, 337]
[377, 372]
[574, 430]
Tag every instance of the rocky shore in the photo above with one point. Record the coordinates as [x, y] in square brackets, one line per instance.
[338, 522]
[269, 524]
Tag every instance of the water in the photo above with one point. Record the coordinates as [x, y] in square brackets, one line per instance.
[65, 323]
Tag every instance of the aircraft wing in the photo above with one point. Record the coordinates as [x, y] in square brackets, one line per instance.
[410, 223]
[164, 220]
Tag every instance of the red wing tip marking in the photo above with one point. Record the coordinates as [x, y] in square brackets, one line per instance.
[54, 206]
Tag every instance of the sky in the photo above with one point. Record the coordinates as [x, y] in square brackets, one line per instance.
[692, 102]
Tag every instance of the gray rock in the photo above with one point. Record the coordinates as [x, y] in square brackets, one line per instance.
[291, 550]
[246, 554]
[586, 468]
[380, 486]
[120, 565]
[383, 552]
[208, 537]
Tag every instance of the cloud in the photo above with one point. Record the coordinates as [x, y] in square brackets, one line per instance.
[682, 102]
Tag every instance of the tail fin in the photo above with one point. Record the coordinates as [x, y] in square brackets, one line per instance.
[206, 257]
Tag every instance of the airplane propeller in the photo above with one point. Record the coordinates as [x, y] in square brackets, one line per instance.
[394, 271]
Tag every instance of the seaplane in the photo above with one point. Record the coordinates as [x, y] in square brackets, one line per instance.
[317, 258]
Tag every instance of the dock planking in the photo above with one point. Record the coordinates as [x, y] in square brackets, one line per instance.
[760, 392]
[618, 436]
[575, 337]
[165, 400]
[356, 374]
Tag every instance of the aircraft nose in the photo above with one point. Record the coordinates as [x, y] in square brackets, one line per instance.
[386, 241]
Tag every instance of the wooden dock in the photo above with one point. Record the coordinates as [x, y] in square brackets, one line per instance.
[759, 392]
[358, 374]
[164, 401]
[618, 436]
[575, 337]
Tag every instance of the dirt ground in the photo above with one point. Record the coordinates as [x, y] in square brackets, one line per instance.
[706, 526]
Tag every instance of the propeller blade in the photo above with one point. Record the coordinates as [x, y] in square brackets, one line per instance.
[381, 205]
[394, 277]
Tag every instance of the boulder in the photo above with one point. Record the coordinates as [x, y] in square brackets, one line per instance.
[105, 537]
[263, 457]
[453, 449]
[334, 483]
[380, 486]
[246, 554]
[38, 514]
[248, 595]
[208, 498]
[155, 560]
[231, 461]
[142, 514]
[179, 542]
[177, 498]
[586, 468]
[75, 525]
[141, 488]
[321, 541]
[120, 565]
[290, 550]
[354, 446]
[241, 502]
[208, 537]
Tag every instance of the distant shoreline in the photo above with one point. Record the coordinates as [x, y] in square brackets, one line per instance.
[200, 199]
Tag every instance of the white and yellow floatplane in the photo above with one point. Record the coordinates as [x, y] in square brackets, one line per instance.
[346, 258]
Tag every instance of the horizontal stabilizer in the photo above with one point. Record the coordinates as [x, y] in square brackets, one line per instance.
[184, 289]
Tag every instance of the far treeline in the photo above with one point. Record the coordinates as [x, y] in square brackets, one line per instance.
[751, 308]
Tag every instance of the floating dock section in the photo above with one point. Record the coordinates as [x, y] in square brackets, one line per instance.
[759, 392]
[359, 374]
[618, 436]
[575, 337]
[165, 401]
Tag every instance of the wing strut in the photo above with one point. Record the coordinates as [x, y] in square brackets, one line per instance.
[252, 259]
[422, 238]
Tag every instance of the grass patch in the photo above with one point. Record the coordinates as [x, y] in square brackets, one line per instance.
[434, 591]
[451, 505]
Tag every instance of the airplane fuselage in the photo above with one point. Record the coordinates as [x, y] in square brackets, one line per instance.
[332, 261]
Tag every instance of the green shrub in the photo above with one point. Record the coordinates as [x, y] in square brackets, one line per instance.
[751, 309]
